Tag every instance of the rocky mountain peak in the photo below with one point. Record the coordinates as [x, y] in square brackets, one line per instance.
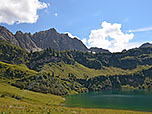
[52, 29]
[51, 38]
[19, 32]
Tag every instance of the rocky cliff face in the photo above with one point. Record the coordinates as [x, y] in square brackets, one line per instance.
[51, 38]
[24, 41]
[41, 40]
[5, 34]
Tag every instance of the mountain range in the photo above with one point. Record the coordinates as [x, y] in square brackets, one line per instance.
[49, 39]
[45, 39]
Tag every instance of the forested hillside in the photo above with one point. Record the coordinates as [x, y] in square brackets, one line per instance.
[69, 72]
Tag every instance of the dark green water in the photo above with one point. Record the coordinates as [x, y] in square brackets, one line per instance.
[126, 100]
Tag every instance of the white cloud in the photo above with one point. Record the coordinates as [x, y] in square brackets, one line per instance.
[84, 40]
[71, 36]
[20, 11]
[141, 29]
[56, 14]
[111, 37]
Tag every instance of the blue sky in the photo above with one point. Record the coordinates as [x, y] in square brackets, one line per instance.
[80, 17]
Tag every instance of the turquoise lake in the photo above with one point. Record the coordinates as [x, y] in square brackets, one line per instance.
[125, 100]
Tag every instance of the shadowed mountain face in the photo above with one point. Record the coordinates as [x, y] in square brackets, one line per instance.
[95, 49]
[146, 45]
[41, 40]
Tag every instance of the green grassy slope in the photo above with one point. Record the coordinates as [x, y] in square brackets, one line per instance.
[25, 96]
[61, 69]
[12, 71]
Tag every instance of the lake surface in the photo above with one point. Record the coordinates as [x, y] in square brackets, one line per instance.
[118, 99]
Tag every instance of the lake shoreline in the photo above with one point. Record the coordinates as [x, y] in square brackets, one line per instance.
[64, 105]
[105, 109]
[137, 109]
